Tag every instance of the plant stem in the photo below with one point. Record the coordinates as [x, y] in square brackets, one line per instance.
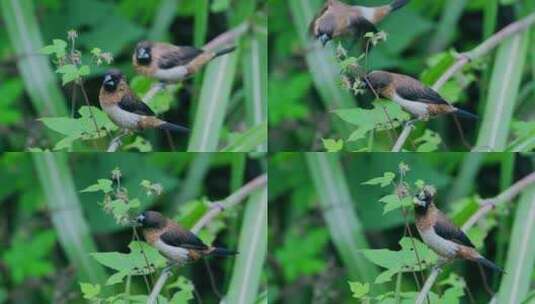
[166, 273]
[486, 206]
[232, 200]
[464, 58]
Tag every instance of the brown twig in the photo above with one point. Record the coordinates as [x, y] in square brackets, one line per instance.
[479, 51]
[486, 206]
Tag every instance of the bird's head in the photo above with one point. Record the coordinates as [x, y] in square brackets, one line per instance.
[112, 79]
[151, 219]
[324, 38]
[424, 198]
[143, 53]
[378, 80]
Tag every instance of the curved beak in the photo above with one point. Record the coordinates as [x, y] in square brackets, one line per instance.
[108, 79]
[139, 219]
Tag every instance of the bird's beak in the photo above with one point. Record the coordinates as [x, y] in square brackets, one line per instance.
[142, 54]
[108, 80]
[139, 219]
[418, 202]
[324, 39]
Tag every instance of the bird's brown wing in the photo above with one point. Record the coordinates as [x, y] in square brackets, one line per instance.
[178, 56]
[412, 89]
[182, 238]
[132, 104]
[446, 229]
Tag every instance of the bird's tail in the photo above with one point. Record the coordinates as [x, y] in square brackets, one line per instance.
[173, 128]
[464, 114]
[397, 4]
[222, 252]
[490, 265]
[224, 51]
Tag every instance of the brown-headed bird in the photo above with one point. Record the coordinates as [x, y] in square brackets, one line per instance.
[170, 63]
[337, 18]
[125, 109]
[441, 235]
[413, 96]
[177, 244]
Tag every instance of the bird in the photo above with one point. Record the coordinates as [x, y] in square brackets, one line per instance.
[413, 96]
[170, 63]
[125, 109]
[180, 246]
[337, 19]
[441, 235]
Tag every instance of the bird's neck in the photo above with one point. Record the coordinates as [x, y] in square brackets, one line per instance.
[423, 210]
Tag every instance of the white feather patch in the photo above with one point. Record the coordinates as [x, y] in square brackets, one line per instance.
[368, 12]
[440, 245]
[175, 74]
[121, 117]
[418, 109]
[174, 253]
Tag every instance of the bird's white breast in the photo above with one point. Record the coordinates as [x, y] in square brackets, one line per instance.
[368, 12]
[439, 244]
[418, 109]
[122, 118]
[175, 74]
[174, 253]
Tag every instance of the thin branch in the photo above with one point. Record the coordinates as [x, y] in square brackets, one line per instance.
[227, 37]
[486, 206]
[217, 207]
[166, 273]
[464, 58]
[234, 199]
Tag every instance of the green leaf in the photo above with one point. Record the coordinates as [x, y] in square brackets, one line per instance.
[393, 202]
[403, 260]
[140, 144]
[104, 185]
[133, 263]
[385, 180]
[90, 291]
[57, 48]
[333, 145]
[69, 72]
[385, 115]
[185, 292]
[220, 5]
[359, 290]
[428, 142]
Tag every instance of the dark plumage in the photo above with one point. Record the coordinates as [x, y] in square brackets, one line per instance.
[337, 18]
[413, 96]
[170, 63]
[125, 109]
[179, 245]
[441, 235]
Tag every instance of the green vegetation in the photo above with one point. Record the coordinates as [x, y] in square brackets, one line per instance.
[55, 52]
[342, 227]
[68, 238]
[313, 107]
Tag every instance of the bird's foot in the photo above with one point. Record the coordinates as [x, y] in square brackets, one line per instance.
[411, 122]
[169, 266]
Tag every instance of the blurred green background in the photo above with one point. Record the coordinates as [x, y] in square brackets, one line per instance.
[321, 215]
[30, 90]
[305, 85]
[48, 228]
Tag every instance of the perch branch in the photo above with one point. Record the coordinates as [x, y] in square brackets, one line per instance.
[216, 208]
[234, 199]
[486, 205]
[464, 58]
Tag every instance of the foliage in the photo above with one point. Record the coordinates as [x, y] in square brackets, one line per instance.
[309, 83]
[381, 189]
